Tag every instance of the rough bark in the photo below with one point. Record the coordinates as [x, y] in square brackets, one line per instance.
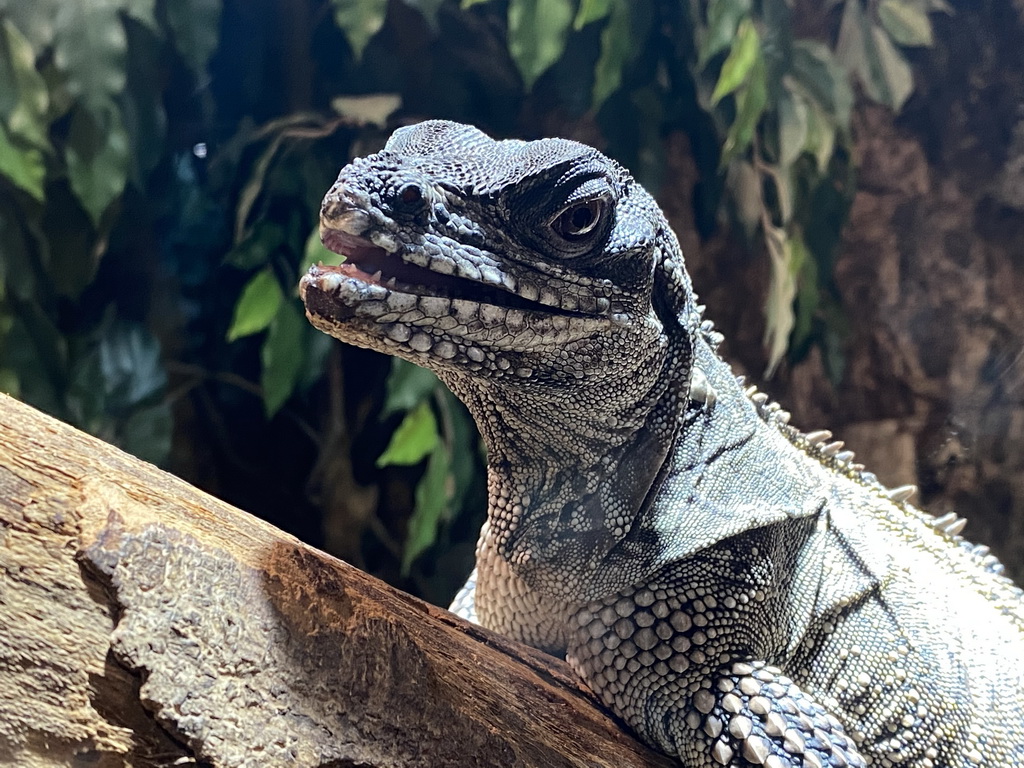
[145, 623]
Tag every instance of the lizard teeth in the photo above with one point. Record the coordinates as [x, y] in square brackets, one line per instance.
[844, 456]
[902, 493]
[759, 397]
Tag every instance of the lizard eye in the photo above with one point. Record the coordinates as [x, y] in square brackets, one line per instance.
[579, 219]
[408, 198]
[410, 195]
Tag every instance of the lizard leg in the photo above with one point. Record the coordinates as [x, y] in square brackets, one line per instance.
[662, 676]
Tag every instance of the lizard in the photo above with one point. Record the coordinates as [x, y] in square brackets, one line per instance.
[737, 591]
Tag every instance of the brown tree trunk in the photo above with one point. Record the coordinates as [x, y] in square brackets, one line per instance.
[145, 623]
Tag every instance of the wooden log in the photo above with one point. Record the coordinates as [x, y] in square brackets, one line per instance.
[145, 623]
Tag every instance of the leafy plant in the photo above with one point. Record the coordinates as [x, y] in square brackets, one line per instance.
[162, 164]
[780, 103]
[76, 129]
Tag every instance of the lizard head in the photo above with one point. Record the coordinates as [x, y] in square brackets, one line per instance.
[544, 287]
[514, 261]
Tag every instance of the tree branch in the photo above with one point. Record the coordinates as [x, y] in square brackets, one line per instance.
[145, 623]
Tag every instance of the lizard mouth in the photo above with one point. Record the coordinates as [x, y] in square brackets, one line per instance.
[375, 266]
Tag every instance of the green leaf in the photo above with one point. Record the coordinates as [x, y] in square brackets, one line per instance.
[34, 18]
[807, 300]
[359, 20]
[316, 253]
[616, 51]
[591, 11]
[432, 503]
[852, 44]
[144, 12]
[25, 100]
[97, 154]
[896, 72]
[462, 441]
[257, 305]
[787, 255]
[776, 32]
[751, 101]
[745, 52]
[724, 17]
[408, 385]
[826, 81]
[782, 179]
[414, 439]
[792, 127]
[866, 50]
[90, 48]
[283, 356]
[906, 21]
[470, 3]
[537, 31]
[821, 135]
[23, 167]
[195, 29]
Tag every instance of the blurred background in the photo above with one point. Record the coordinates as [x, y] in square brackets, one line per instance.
[846, 178]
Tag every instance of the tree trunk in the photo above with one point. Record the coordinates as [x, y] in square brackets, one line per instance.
[145, 623]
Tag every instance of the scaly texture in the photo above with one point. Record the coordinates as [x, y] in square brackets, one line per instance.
[737, 591]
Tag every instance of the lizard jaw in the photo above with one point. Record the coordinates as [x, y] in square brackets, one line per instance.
[376, 265]
[378, 300]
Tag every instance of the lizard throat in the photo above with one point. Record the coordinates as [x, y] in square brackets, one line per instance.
[373, 265]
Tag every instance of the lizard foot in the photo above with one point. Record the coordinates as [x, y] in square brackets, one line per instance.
[755, 715]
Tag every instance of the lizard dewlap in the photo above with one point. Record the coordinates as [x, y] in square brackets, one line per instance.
[739, 592]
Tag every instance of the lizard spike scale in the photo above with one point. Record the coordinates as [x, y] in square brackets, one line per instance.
[738, 592]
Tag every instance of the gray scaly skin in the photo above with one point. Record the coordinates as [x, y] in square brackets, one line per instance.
[736, 590]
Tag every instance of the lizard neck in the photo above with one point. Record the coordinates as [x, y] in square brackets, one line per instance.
[569, 468]
[730, 471]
